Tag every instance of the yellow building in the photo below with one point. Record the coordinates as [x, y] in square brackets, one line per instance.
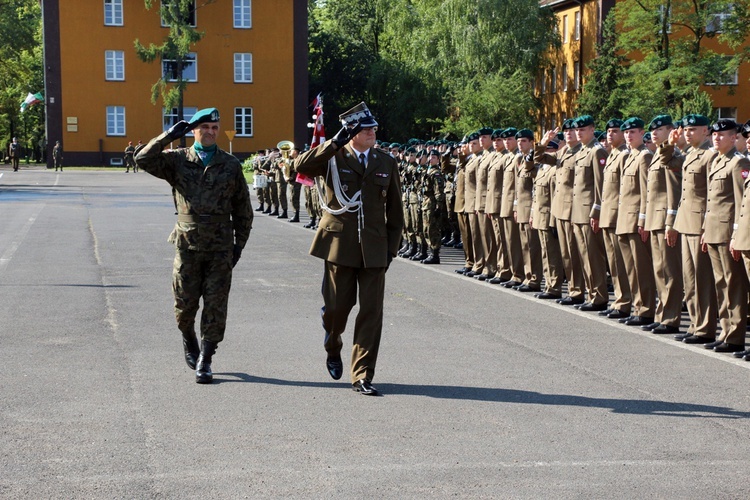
[579, 23]
[251, 64]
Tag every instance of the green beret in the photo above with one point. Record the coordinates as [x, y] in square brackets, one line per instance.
[660, 121]
[568, 124]
[497, 133]
[746, 129]
[647, 137]
[410, 150]
[508, 133]
[429, 143]
[421, 153]
[485, 131]
[204, 115]
[525, 133]
[694, 121]
[724, 124]
[560, 137]
[599, 135]
[614, 123]
[472, 137]
[394, 145]
[584, 121]
[434, 152]
[633, 122]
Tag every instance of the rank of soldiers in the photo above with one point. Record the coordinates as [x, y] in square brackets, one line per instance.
[658, 212]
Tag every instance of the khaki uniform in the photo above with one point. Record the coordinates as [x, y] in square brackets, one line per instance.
[608, 224]
[470, 195]
[544, 223]
[562, 206]
[492, 208]
[723, 208]
[357, 247]
[530, 247]
[510, 226]
[213, 215]
[697, 275]
[463, 218]
[487, 234]
[630, 216]
[587, 196]
[663, 195]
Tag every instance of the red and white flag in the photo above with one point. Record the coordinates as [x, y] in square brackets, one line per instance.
[319, 134]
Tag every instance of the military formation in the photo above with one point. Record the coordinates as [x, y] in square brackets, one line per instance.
[276, 175]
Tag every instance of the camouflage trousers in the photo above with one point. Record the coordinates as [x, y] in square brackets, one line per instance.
[281, 189]
[431, 224]
[199, 274]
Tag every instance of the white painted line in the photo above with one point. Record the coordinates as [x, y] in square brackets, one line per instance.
[8, 255]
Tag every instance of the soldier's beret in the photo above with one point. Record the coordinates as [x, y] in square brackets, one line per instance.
[584, 121]
[633, 122]
[599, 135]
[560, 137]
[660, 121]
[205, 115]
[552, 145]
[568, 124]
[746, 129]
[694, 121]
[497, 133]
[421, 153]
[429, 143]
[509, 132]
[410, 150]
[485, 131]
[525, 133]
[472, 137]
[434, 152]
[647, 137]
[614, 123]
[394, 145]
[724, 124]
[412, 141]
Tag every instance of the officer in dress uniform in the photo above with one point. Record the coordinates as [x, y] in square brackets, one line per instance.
[631, 219]
[465, 155]
[495, 175]
[608, 219]
[214, 218]
[359, 235]
[726, 179]
[484, 223]
[530, 248]
[470, 196]
[697, 275]
[508, 209]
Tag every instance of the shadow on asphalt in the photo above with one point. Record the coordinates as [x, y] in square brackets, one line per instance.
[627, 406]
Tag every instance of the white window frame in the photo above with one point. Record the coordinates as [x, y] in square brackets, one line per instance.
[243, 60]
[715, 23]
[193, 24]
[192, 56]
[566, 32]
[116, 124]
[242, 12]
[114, 65]
[242, 114]
[170, 118]
[577, 26]
[729, 112]
[564, 77]
[111, 9]
[577, 75]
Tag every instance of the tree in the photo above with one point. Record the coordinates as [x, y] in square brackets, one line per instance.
[173, 52]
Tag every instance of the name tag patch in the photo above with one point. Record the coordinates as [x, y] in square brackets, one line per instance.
[381, 174]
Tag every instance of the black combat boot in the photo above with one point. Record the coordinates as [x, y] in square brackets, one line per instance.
[403, 249]
[260, 208]
[413, 250]
[310, 224]
[283, 215]
[275, 210]
[434, 258]
[203, 373]
[268, 210]
[192, 349]
[295, 218]
[421, 255]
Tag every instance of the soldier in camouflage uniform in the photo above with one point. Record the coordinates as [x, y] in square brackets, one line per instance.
[415, 206]
[407, 178]
[214, 218]
[433, 206]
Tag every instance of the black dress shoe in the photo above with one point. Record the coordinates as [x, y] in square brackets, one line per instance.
[724, 347]
[639, 321]
[526, 288]
[698, 339]
[459, 246]
[578, 306]
[682, 336]
[650, 326]
[593, 307]
[364, 387]
[547, 296]
[481, 277]
[711, 345]
[746, 357]
[741, 354]
[470, 274]
[463, 270]
[497, 281]
[335, 366]
[605, 312]
[511, 284]
[571, 301]
[665, 329]
[616, 314]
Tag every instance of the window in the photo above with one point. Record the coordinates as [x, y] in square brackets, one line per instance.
[114, 65]
[730, 113]
[116, 120]
[544, 82]
[113, 12]
[566, 34]
[243, 68]
[553, 87]
[190, 17]
[189, 68]
[242, 14]
[564, 77]
[577, 75]
[577, 27]
[717, 20]
[727, 77]
[170, 116]
[243, 121]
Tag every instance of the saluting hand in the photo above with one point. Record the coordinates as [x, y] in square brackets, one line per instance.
[549, 135]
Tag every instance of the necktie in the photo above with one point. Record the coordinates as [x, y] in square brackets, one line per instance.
[362, 160]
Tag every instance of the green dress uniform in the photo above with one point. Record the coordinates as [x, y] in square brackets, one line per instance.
[213, 215]
[356, 246]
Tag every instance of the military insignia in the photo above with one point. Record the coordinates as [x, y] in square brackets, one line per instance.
[346, 171]
[602, 161]
[744, 173]
[383, 193]
[345, 188]
[691, 120]
[381, 174]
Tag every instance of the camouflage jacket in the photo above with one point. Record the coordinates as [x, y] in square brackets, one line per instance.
[218, 189]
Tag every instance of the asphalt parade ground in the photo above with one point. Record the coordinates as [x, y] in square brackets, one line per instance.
[488, 393]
